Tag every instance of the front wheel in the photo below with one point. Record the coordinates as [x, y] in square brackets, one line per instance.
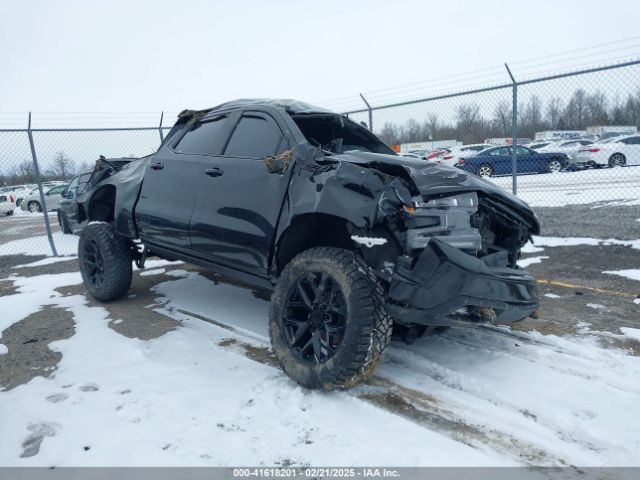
[105, 262]
[327, 322]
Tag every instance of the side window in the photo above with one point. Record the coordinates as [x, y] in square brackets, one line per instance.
[205, 138]
[632, 141]
[56, 190]
[83, 181]
[255, 136]
[523, 151]
[501, 151]
[73, 186]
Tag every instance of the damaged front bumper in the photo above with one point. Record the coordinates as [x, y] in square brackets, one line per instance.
[444, 281]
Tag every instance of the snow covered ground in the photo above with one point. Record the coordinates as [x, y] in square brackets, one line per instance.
[208, 393]
[604, 187]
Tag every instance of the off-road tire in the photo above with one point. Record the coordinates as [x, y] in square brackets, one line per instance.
[64, 223]
[116, 259]
[368, 326]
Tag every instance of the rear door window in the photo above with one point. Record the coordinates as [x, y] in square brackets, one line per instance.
[255, 136]
[205, 138]
[499, 151]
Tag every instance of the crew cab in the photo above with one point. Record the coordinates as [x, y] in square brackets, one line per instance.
[353, 240]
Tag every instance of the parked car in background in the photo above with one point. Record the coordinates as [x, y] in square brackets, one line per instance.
[539, 144]
[452, 156]
[53, 193]
[18, 191]
[68, 207]
[568, 147]
[498, 161]
[7, 203]
[612, 152]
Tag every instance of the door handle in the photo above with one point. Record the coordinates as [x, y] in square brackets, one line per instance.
[157, 166]
[214, 172]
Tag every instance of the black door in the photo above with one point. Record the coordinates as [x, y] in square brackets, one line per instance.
[169, 190]
[239, 201]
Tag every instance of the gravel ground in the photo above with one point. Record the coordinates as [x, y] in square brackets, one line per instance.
[590, 221]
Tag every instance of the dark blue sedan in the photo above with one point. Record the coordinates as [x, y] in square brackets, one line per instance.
[498, 161]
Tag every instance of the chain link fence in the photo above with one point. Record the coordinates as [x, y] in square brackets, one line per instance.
[565, 163]
[565, 126]
[37, 164]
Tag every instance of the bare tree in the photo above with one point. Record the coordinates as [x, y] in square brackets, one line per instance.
[433, 125]
[554, 111]
[576, 112]
[389, 133]
[63, 166]
[597, 108]
[470, 124]
[502, 117]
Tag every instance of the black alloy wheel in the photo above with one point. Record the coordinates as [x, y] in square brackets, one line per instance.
[94, 262]
[314, 317]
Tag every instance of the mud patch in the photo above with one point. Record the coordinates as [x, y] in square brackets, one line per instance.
[7, 262]
[426, 411]
[28, 342]
[66, 266]
[259, 354]
[133, 316]
[7, 288]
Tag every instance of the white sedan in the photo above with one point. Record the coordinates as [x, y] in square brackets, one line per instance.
[569, 147]
[53, 194]
[612, 152]
[454, 154]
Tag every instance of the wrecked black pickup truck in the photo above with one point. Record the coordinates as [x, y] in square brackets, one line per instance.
[353, 240]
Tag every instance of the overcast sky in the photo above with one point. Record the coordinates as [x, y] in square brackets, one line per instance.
[147, 56]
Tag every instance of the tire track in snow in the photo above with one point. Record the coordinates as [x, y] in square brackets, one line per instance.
[413, 405]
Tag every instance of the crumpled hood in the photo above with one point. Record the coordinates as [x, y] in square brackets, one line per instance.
[434, 179]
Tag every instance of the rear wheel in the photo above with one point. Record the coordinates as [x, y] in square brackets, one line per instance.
[105, 262]
[617, 160]
[34, 206]
[18, 202]
[484, 170]
[327, 321]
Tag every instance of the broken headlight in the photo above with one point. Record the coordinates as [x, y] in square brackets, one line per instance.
[446, 218]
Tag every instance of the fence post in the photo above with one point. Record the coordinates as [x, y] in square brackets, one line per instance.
[370, 112]
[43, 200]
[160, 127]
[514, 134]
